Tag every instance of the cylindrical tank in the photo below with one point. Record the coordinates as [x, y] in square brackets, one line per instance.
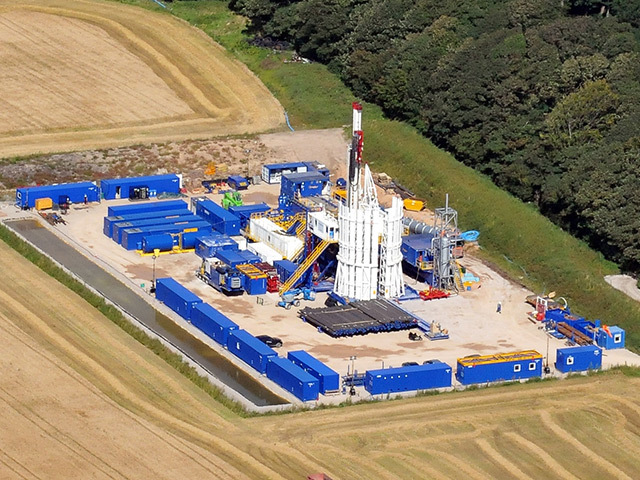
[417, 227]
[162, 242]
[189, 239]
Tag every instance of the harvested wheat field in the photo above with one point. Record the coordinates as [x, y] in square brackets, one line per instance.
[85, 74]
[81, 399]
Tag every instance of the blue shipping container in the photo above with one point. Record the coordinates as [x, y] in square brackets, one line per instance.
[118, 227]
[222, 220]
[110, 221]
[293, 379]
[255, 285]
[213, 323]
[305, 184]
[113, 188]
[404, 379]
[177, 297]
[616, 340]
[207, 246]
[250, 350]
[74, 192]
[329, 379]
[244, 212]
[149, 206]
[501, 366]
[578, 359]
[132, 237]
[285, 269]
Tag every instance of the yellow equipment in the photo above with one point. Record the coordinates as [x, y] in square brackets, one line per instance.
[413, 205]
[44, 203]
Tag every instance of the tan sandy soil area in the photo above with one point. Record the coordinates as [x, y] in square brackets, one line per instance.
[82, 74]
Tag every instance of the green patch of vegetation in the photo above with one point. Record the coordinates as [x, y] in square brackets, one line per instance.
[112, 313]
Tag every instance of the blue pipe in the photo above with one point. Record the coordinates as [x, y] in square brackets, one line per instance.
[160, 3]
[286, 117]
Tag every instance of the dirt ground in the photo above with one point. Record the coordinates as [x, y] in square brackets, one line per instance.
[470, 318]
[137, 76]
[81, 399]
[626, 284]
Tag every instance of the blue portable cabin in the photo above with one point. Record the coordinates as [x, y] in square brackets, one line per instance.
[113, 188]
[118, 227]
[578, 359]
[293, 378]
[143, 207]
[238, 182]
[273, 172]
[213, 323]
[329, 379]
[222, 220]
[208, 245]
[616, 340]
[244, 212]
[177, 297]
[285, 268]
[305, 184]
[59, 194]
[405, 379]
[499, 367]
[132, 237]
[250, 350]
[108, 222]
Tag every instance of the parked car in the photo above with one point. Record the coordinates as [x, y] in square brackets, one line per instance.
[273, 342]
[410, 364]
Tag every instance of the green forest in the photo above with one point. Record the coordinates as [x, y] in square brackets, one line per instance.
[542, 96]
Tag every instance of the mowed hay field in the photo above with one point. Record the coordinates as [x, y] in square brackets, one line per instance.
[82, 74]
[81, 399]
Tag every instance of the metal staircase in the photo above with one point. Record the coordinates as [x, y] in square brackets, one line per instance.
[304, 266]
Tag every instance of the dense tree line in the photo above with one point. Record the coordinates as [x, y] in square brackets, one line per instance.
[541, 95]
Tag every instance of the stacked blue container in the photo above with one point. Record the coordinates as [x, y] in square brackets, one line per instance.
[207, 246]
[108, 222]
[212, 322]
[244, 212]
[175, 296]
[145, 207]
[578, 359]
[404, 379]
[329, 379]
[118, 227]
[249, 349]
[293, 378]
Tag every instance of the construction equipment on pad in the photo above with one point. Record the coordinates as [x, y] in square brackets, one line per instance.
[293, 297]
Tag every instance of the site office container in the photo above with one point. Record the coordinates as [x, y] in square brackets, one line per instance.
[272, 173]
[222, 220]
[145, 206]
[293, 379]
[499, 367]
[244, 212]
[616, 340]
[405, 379]
[74, 192]
[213, 323]
[207, 246]
[132, 237]
[108, 222]
[177, 297]
[250, 350]
[113, 188]
[329, 380]
[578, 359]
[118, 227]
